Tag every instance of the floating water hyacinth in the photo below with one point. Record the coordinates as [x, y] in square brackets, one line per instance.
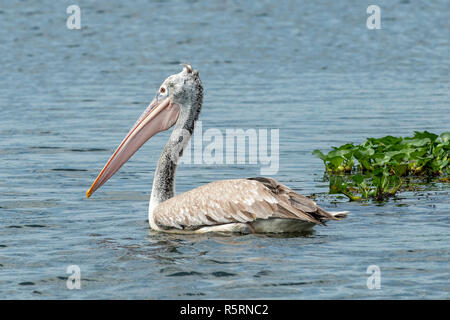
[379, 167]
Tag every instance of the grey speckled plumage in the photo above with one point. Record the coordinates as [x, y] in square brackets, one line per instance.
[238, 205]
[243, 201]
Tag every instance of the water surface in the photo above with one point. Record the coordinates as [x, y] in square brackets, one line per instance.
[311, 69]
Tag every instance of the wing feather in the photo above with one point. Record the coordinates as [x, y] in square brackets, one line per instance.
[237, 200]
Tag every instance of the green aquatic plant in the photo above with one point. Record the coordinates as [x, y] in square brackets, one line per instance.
[379, 167]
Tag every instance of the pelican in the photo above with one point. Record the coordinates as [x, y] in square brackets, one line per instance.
[251, 205]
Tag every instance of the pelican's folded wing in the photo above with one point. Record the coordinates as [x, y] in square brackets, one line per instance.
[237, 200]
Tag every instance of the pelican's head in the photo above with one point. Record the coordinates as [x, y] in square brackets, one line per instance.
[184, 89]
[179, 99]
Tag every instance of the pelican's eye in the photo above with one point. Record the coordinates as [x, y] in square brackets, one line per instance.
[162, 90]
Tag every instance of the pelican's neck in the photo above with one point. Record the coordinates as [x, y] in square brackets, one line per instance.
[164, 179]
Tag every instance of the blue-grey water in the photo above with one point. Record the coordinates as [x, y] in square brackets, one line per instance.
[311, 69]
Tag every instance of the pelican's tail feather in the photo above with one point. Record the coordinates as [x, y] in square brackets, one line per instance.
[339, 214]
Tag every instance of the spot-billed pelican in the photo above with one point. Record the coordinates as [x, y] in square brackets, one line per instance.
[253, 205]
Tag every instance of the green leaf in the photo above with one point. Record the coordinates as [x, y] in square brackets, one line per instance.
[445, 136]
[424, 135]
[319, 154]
[358, 178]
[377, 167]
[418, 142]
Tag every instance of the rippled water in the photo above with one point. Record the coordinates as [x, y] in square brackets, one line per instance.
[311, 69]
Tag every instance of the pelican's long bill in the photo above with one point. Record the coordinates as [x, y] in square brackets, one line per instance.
[159, 116]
